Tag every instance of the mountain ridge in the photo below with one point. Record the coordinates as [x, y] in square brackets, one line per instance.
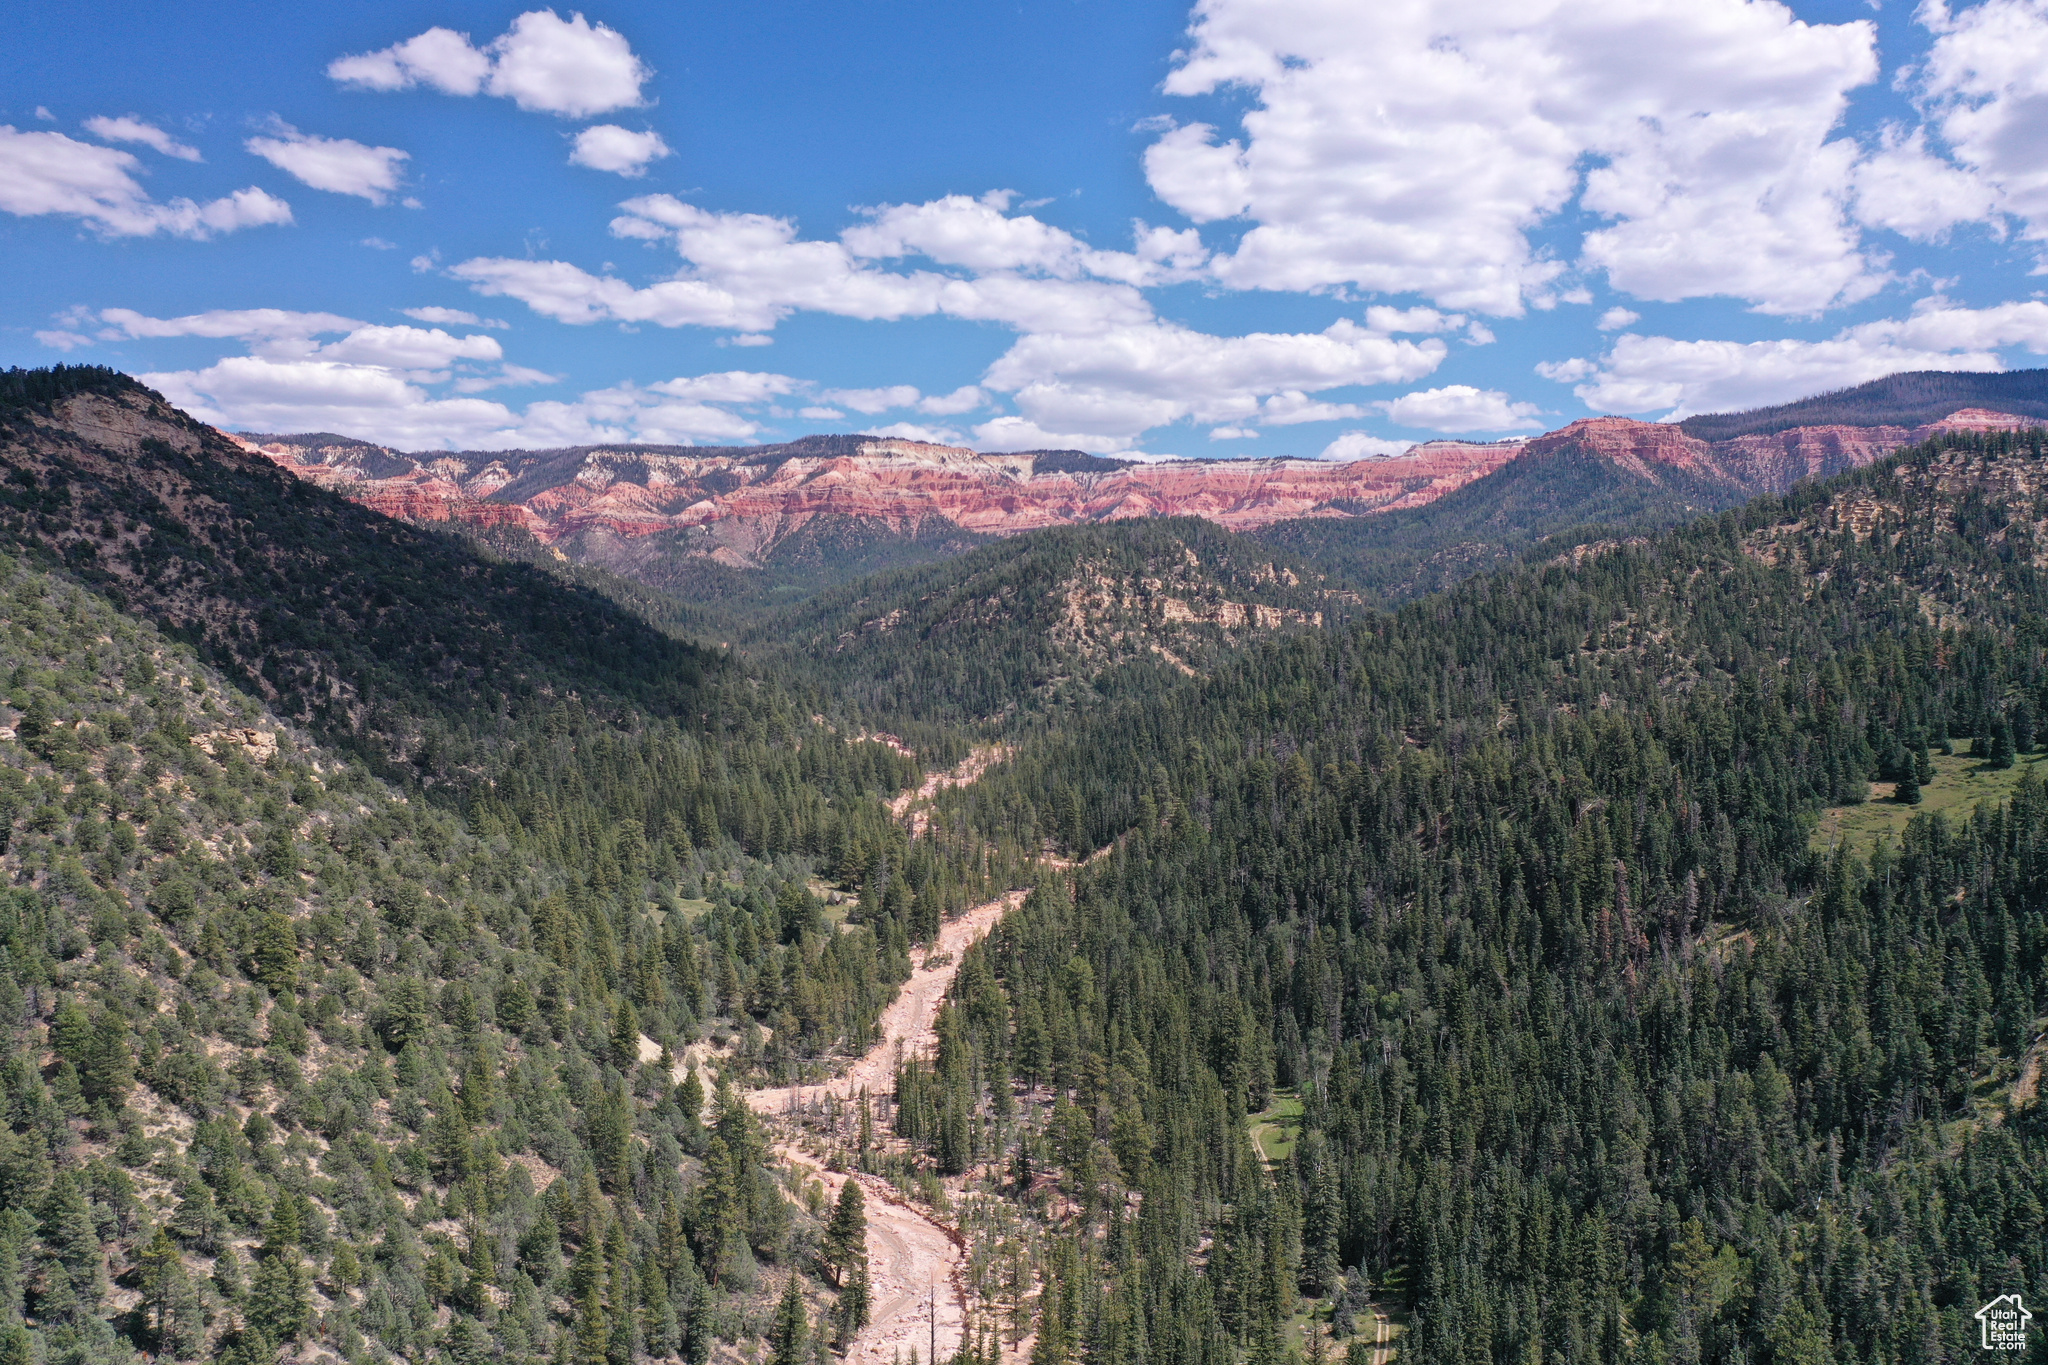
[649, 512]
[1911, 398]
[737, 504]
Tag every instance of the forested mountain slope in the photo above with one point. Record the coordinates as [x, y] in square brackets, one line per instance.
[309, 1059]
[1567, 493]
[1597, 1059]
[1909, 399]
[1597, 478]
[1043, 623]
[1475, 966]
[408, 643]
[736, 530]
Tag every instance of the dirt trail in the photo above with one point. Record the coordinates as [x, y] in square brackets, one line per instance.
[969, 769]
[911, 1258]
[1382, 1336]
[908, 1020]
[2027, 1084]
[909, 1255]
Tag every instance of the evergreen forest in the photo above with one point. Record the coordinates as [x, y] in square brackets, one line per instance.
[395, 923]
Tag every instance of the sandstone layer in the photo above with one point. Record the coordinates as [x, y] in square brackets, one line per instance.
[745, 501]
[736, 504]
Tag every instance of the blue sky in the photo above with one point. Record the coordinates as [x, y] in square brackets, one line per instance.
[1258, 227]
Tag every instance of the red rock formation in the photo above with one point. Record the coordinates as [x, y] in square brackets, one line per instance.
[1765, 463]
[748, 500]
[1641, 448]
[738, 503]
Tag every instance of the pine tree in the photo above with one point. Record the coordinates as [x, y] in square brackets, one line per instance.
[280, 1297]
[592, 1336]
[227, 1274]
[72, 1241]
[844, 1247]
[790, 1338]
[71, 1032]
[625, 1036]
[467, 1342]
[855, 1306]
[163, 1276]
[2002, 751]
[197, 1220]
[1321, 1272]
[274, 948]
[690, 1096]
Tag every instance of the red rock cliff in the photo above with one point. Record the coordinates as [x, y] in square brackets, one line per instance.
[742, 502]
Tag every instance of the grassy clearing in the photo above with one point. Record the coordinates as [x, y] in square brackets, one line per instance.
[1961, 784]
[1277, 1129]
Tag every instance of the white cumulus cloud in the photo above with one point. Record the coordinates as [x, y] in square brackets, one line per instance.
[408, 348]
[730, 386]
[281, 334]
[505, 376]
[1020, 433]
[746, 272]
[891, 397]
[966, 398]
[544, 62]
[872, 401]
[981, 235]
[129, 128]
[1461, 408]
[249, 324]
[913, 431]
[451, 316]
[1413, 146]
[1681, 377]
[413, 387]
[608, 147]
[1381, 318]
[49, 173]
[337, 164]
[1292, 407]
[399, 407]
[440, 57]
[1359, 445]
[1985, 82]
[1905, 187]
[255, 393]
[1115, 385]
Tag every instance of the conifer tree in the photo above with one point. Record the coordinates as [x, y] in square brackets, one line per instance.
[280, 1302]
[844, 1246]
[164, 1281]
[855, 1305]
[789, 1340]
[1321, 1273]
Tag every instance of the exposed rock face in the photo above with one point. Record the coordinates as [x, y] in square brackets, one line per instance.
[744, 501]
[1760, 463]
[259, 745]
[736, 504]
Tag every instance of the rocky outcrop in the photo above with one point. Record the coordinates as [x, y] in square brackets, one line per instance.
[1766, 463]
[743, 501]
[737, 504]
